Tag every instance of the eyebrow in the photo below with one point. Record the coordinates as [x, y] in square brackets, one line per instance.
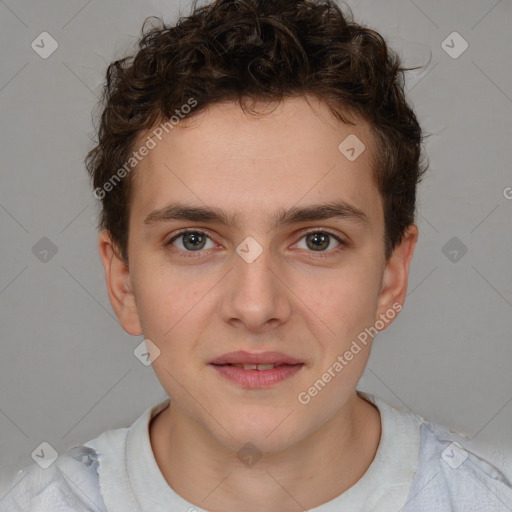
[335, 209]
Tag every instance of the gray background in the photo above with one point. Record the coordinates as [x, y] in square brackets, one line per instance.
[68, 372]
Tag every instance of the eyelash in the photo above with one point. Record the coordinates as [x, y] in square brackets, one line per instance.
[319, 254]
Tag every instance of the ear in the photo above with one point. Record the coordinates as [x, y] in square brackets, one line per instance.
[396, 274]
[117, 278]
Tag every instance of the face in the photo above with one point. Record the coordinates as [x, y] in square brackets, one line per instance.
[271, 272]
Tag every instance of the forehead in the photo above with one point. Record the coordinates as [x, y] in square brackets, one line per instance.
[289, 154]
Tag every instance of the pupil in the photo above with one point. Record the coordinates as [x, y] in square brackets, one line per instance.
[322, 238]
[194, 238]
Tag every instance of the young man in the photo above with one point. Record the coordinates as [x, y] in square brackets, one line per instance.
[257, 166]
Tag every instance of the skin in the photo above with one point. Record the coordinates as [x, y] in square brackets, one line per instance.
[289, 299]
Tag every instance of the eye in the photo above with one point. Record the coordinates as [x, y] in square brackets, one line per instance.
[320, 241]
[191, 241]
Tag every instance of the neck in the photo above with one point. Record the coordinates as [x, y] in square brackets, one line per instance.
[315, 471]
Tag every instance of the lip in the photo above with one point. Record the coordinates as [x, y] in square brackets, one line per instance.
[257, 378]
[242, 357]
[289, 366]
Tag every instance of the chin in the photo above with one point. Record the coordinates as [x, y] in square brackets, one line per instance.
[269, 434]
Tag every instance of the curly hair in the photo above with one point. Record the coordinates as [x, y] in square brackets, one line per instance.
[260, 50]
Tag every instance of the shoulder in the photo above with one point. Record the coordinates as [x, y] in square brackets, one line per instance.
[451, 477]
[70, 484]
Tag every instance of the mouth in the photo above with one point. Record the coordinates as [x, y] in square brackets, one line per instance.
[253, 370]
[242, 358]
[259, 367]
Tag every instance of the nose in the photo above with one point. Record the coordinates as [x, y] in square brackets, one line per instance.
[256, 296]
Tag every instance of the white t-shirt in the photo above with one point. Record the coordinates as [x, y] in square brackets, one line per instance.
[416, 469]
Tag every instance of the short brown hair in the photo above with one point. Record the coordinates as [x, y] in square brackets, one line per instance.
[235, 50]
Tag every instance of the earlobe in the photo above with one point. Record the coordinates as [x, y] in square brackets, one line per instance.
[396, 273]
[119, 288]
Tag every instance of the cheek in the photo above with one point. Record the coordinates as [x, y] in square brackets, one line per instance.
[346, 301]
[174, 308]
[166, 297]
